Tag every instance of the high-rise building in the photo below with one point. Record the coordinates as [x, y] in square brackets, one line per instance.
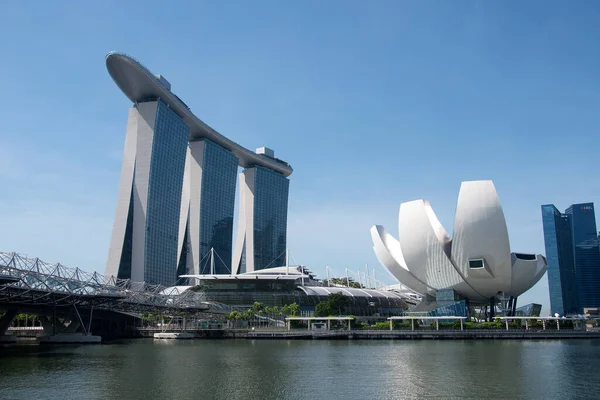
[261, 241]
[586, 253]
[208, 207]
[561, 264]
[573, 257]
[145, 228]
[177, 192]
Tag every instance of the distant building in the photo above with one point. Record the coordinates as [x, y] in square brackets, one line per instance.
[573, 258]
[529, 310]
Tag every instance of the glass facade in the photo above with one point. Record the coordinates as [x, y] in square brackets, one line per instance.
[529, 310]
[586, 253]
[457, 309]
[573, 257]
[270, 218]
[219, 174]
[169, 148]
[125, 262]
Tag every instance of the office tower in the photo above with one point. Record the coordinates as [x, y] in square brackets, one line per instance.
[586, 253]
[573, 258]
[561, 264]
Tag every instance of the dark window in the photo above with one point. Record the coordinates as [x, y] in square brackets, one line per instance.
[522, 256]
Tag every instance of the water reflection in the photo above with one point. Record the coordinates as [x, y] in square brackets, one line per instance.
[303, 370]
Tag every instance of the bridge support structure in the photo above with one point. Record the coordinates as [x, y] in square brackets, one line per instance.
[5, 322]
[70, 329]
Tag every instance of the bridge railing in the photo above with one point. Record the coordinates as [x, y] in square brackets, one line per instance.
[37, 276]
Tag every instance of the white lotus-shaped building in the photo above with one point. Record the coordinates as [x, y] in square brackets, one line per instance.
[476, 262]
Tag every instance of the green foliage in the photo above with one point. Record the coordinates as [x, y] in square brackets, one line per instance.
[290, 310]
[380, 326]
[234, 316]
[343, 282]
[294, 309]
[497, 324]
[257, 307]
[354, 324]
[532, 323]
[404, 325]
[337, 302]
[335, 305]
[323, 309]
[298, 324]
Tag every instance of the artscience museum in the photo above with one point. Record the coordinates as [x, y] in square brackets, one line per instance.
[473, 267]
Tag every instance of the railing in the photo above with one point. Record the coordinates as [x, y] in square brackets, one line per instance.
[43, 283]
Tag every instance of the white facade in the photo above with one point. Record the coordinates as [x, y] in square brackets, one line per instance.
[476, 262]
[244, 242]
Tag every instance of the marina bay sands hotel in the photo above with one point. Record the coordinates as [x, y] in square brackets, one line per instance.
[177, 189]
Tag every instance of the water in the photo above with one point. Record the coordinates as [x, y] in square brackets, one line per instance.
[245, 369]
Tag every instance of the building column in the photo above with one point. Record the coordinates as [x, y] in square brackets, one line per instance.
[506, 322]
[437, 324]
[412, 324]
[391, 326]
[461, 324]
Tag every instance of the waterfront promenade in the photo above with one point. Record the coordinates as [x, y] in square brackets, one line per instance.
[424, 334]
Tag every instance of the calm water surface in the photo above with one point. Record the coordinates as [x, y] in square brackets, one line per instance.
[244, 369]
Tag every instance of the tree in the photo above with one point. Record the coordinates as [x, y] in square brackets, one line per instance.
[268, 311]
[337, 303]
[343, 282]
[289, 310]
[257, 307]
[323, 309]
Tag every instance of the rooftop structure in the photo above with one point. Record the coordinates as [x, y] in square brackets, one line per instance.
[279, 286]
[140, 85]
[177, 190]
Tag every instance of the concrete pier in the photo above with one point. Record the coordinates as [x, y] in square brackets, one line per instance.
[63, 338]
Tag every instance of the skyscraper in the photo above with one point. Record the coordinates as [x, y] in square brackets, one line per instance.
[561, 264]
[208, 206]
[177, 192]
[145, 228]
[573, 257]
[586, 253]
[262, 228]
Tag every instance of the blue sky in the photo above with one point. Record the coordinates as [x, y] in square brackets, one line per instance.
[373, 104]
